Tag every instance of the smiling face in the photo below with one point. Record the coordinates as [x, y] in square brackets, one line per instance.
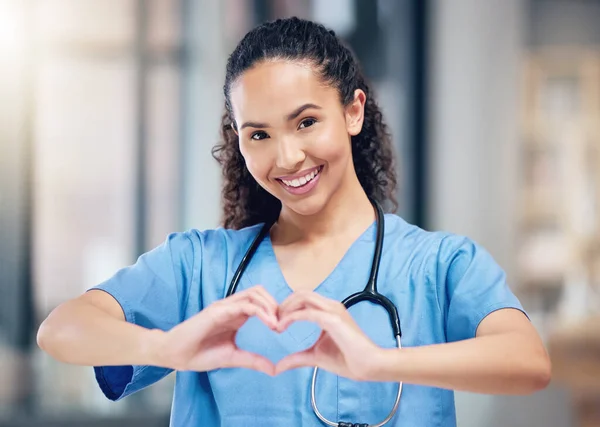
[294, 133]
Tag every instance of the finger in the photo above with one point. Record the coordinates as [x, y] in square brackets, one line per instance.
[307, 300]
[268, 297]
[251, 309]
[261, 295]
[301, 359]
[249, 360]
[257, 289]
[257, 294]
[323, 318]
[232, 311]
[294, 298]
[341, 329]
[311, 299]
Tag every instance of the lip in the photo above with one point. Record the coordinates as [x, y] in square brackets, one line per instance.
[297, 191]
[299, 174]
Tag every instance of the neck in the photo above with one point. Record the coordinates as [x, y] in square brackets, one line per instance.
[348, 212]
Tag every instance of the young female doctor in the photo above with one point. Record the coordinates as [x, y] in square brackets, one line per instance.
[307, 159]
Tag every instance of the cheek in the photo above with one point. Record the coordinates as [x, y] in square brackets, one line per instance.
[257, 162]
[332, 145]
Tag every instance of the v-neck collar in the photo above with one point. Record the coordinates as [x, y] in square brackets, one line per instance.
[326, 286]
[305, 333]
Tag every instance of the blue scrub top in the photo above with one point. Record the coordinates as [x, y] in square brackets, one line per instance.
[442, 284]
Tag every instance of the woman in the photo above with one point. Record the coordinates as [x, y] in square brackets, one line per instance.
[304, 146]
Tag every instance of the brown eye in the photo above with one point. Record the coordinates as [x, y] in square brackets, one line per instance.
[307, 123]
[257, 136]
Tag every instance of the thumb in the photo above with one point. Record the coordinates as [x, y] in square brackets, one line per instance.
[296, 360]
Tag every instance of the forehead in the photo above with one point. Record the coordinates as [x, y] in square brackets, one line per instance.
[274, 88]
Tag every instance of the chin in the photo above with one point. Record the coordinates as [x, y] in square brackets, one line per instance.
[305, 207]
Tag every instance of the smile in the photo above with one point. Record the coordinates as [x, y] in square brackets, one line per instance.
[303, 180]
[303, 184]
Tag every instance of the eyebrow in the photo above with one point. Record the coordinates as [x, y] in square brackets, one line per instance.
[289, 117]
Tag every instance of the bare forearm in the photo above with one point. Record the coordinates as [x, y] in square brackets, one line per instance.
[497, 364]
[83, 334]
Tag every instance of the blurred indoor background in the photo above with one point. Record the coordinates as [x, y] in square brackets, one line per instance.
[109, 110]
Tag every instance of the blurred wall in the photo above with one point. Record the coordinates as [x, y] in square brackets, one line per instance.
[15, 139]
[206, 55]
[560, 22]
[476, 52]
[475, 60]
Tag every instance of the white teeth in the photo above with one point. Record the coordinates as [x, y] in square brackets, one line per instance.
[298, 182]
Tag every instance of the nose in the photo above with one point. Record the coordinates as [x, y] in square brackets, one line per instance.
[290, 154]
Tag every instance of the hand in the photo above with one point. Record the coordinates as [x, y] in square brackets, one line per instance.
[342, 347]
[206, 341]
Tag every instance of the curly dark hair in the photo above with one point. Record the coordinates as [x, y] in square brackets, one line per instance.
[244, 201]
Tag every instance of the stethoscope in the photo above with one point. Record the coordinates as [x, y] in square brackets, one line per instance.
[370, 293]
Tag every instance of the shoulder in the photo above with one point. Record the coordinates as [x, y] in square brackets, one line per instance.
[193, 243]
[185, 254]
[435, 247]
[213, 242]
[220, 236]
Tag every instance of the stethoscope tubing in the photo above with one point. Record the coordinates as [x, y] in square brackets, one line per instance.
[369, 293]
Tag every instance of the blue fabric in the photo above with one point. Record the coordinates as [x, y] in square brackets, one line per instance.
[442, 284]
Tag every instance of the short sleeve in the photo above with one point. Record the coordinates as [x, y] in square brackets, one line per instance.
[153, 293]
[470, 285]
